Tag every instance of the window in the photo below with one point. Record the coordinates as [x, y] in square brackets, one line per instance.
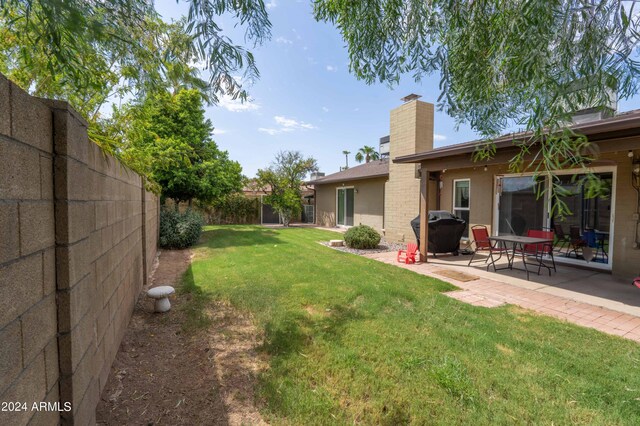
[461, 202]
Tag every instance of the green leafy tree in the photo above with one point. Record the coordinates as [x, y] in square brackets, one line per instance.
[283, 180]
[68, 35]
[168, 139]
[367, 153]
[503, 63]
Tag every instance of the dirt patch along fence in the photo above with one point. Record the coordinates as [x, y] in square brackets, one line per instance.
[78, 236]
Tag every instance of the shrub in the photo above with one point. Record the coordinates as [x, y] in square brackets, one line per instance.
[234, 209]
[362, 237]
[179, 230]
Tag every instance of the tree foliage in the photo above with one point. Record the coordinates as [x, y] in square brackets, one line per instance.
[78, 42]
[503, 63]
[167, 138]
[367, 153]
[283, 181]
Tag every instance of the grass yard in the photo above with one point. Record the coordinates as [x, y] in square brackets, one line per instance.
[351, 340]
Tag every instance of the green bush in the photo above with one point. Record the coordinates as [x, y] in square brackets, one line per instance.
[179, 230]
[362, 237]
[232, 209]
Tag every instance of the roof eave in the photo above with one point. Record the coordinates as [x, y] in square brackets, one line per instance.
[591, 128]
[349, 179]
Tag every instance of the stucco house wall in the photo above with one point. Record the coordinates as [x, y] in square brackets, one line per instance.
[625, 257]
[368, 202]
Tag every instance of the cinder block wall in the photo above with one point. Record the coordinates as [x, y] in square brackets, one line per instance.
[28, 331]
[79, 236]
[411, 131]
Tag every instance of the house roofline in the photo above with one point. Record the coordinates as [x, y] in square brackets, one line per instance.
[348, 179]
[605, 127]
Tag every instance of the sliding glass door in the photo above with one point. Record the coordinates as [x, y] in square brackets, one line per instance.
[344, 206]
[519, 206]
[523, 203]
[589, 223]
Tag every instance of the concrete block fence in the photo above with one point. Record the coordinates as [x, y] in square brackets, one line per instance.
[78, 236]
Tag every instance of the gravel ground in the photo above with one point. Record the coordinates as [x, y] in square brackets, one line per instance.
[384, 246]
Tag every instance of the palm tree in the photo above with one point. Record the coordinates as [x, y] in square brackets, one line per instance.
[367, 153]
[346, 158]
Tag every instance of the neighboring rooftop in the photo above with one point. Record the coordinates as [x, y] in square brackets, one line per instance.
[622, 124]
[376, 168]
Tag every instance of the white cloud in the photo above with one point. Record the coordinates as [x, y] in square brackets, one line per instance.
[271, 4]
[331, 68]
[236, 105]
[286, 125]
[283, 40]
[269, 131]
[220, 131]
[325, 109]
[437, 137]
[290, 123]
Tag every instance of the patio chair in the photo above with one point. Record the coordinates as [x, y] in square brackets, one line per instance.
[540, 250]
[576, 241]
[601, 237]
[409, 255]
[481, 240]
[563, 239]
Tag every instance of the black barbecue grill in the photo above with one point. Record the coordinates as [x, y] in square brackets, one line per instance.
[445, 231]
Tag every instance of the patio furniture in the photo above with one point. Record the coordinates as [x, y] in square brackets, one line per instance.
[481, 240]
[561, 238]
[161, 295]
[601, 237]
[409, 255]
[445, 232]
[518, 243]
[575, 240]
[539, 250]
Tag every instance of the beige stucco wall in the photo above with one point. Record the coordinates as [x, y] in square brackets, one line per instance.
[411, 131]
[481, 195]
[368, 203]
[626, 258]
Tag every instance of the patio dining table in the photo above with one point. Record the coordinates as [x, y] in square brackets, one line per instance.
[518, 244]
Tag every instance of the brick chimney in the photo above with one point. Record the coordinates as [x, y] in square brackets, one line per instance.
[411, 131]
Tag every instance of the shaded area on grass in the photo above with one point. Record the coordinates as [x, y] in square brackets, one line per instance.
[353, 340]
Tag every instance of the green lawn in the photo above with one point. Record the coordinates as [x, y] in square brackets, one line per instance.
[354, 340]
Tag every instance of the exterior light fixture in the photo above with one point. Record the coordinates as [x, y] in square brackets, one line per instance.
[485, 168]
[630, 154]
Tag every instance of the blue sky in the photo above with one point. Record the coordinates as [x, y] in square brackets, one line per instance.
[306, 99]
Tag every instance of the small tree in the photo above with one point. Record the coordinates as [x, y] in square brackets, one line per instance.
[367, 153]
[167, 138]
[283, 180]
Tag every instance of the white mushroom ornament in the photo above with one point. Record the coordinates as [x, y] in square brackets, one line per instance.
[161, 295]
